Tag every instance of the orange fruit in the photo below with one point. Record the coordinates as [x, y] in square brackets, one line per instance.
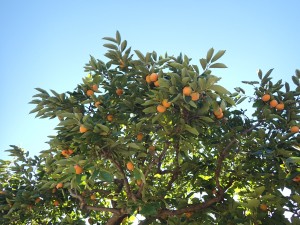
[56, 203]
[273, 103]
[153, 77]
[78, 169]
[148, 79]
[89, 93]
[139, 136]
[130, 166]
[119, 91]
[220, 116]
[280, 106]
[95, 87]
[65, 153]
[266, 97]
[218, 112]
[151, 148]
[139, 182]
[110, 117]
[93, 197]
[37, 200]
[263, 207]
[187, 91]
[294, 129]
[97, 104]
[161, 108]
[195, 96]
[156, 83]
[59, 185]
[188, 214]
[70, 151]
[82, 129]
[296, 178]
[165, 103]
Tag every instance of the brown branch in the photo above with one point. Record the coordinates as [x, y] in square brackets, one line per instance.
[83, 205]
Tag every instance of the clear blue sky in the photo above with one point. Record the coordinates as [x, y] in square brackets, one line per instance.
[46, 44]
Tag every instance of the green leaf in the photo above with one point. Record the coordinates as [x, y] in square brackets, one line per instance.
[259, 73]
[133, 145]
[151, 109]
[228, 100]
[118, 37]
[209, 54]
[218, 55]
[218, 65]
[106, 176]
[140, 55]
[206, 119]
[68, 122]
[111, 46]
[259, 191]
[103, 127]
[123, 45]
[203, 63]
[176, 65]
[253, 203]
[202, 83]
[241, 100]
[190, 129]
[110, 39]
[219, 89]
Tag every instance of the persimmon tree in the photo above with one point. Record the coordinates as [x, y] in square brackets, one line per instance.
[159, 137]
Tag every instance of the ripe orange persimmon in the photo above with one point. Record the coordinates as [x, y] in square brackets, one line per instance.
[187, 91]
[78, 169]
[95, 87]
[280, 106]
[195, 96]
[139, 136]
[148, 79]
[165, 103]
[82, 129]
[266, 97]
[70, 151]
[37, 200]
[89, 93]
[59, 185]
[119, 91]
[220, 116]
[161, 108]
[294, 129]
[153, 77]
[110, 117]
[296, 178]
[130, 166]
[93, 197]
[156, 83]
[97, 104]
[56, 203]
[263, 207]
[273, 103]
[218, 112]
[65, 153]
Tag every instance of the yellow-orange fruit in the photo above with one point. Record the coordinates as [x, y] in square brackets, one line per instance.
[280, 106]
[78, 169]
[165, 103]
[187, 91]
[220, 116]
[156, 83]
[151, 148]
[273, 103]
[95, 87]
[70, 151]
[110, 117]
[296, 178]
[139, 136]
[82, 129]
[59, 185]
[130, 166]
[119, 91]
[195, 96]
[97, 104]
[266, 97]
[294, 129]
[65, 153]
[89, 93]
[148, 79]
[153, 77]
[37, 200]
[188, 214]
[218, 112]
[93, 197]
[139, 182]
[56, 203]
[263, 207]
[161, 108]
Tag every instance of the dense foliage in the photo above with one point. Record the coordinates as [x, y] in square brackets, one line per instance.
[157, 136]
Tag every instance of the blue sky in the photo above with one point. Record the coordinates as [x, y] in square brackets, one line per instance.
[46, 44]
